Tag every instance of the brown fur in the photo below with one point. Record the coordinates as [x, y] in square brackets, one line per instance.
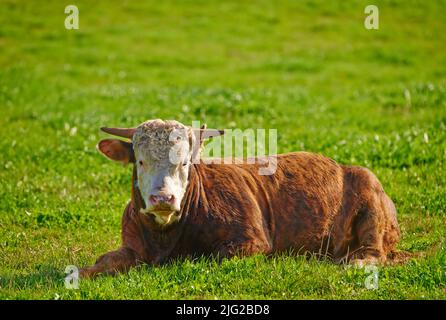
[310, 205]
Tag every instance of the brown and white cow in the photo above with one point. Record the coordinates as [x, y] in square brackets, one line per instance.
[181, 208]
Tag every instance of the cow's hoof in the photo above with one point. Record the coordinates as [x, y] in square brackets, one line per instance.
[360, 263]
[86, 273]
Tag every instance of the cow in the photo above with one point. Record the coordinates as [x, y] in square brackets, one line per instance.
[183, 208]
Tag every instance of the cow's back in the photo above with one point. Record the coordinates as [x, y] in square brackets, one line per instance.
[308, 195]
[292, 208]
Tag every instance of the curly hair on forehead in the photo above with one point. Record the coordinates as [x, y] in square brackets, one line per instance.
[155, 137]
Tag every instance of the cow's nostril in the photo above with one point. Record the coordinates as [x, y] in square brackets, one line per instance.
[157, 199]
[170, 198]
[153, 199]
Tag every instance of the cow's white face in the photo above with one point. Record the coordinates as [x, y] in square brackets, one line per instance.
[163, 151]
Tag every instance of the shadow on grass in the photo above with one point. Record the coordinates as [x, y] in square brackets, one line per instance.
[46, 276]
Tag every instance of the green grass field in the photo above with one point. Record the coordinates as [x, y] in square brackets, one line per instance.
[310, 69]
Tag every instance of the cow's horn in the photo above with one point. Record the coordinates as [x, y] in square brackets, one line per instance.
[209, 133]
[120, 132]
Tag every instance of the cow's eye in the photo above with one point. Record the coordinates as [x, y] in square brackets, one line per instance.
[184, 164]
[140, 162]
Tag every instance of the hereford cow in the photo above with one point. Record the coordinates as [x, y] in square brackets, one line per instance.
[182, 208]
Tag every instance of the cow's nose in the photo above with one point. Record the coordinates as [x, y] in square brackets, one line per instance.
[161, 199]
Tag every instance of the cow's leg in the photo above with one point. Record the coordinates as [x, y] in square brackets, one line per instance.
[229, 249]
[368, 226]
[124, 258]
[112, 262]
[376, 231]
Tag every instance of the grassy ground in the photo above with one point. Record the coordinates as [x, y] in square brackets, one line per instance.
[308, 68]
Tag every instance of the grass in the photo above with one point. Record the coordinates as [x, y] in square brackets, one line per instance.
[375, 98]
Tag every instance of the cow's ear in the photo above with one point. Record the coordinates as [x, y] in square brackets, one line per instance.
[117, 150]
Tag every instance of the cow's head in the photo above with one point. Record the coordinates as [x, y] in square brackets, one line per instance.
[162, 152]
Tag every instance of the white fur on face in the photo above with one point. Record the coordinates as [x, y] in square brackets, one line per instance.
[172, 180]
[163, 158]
